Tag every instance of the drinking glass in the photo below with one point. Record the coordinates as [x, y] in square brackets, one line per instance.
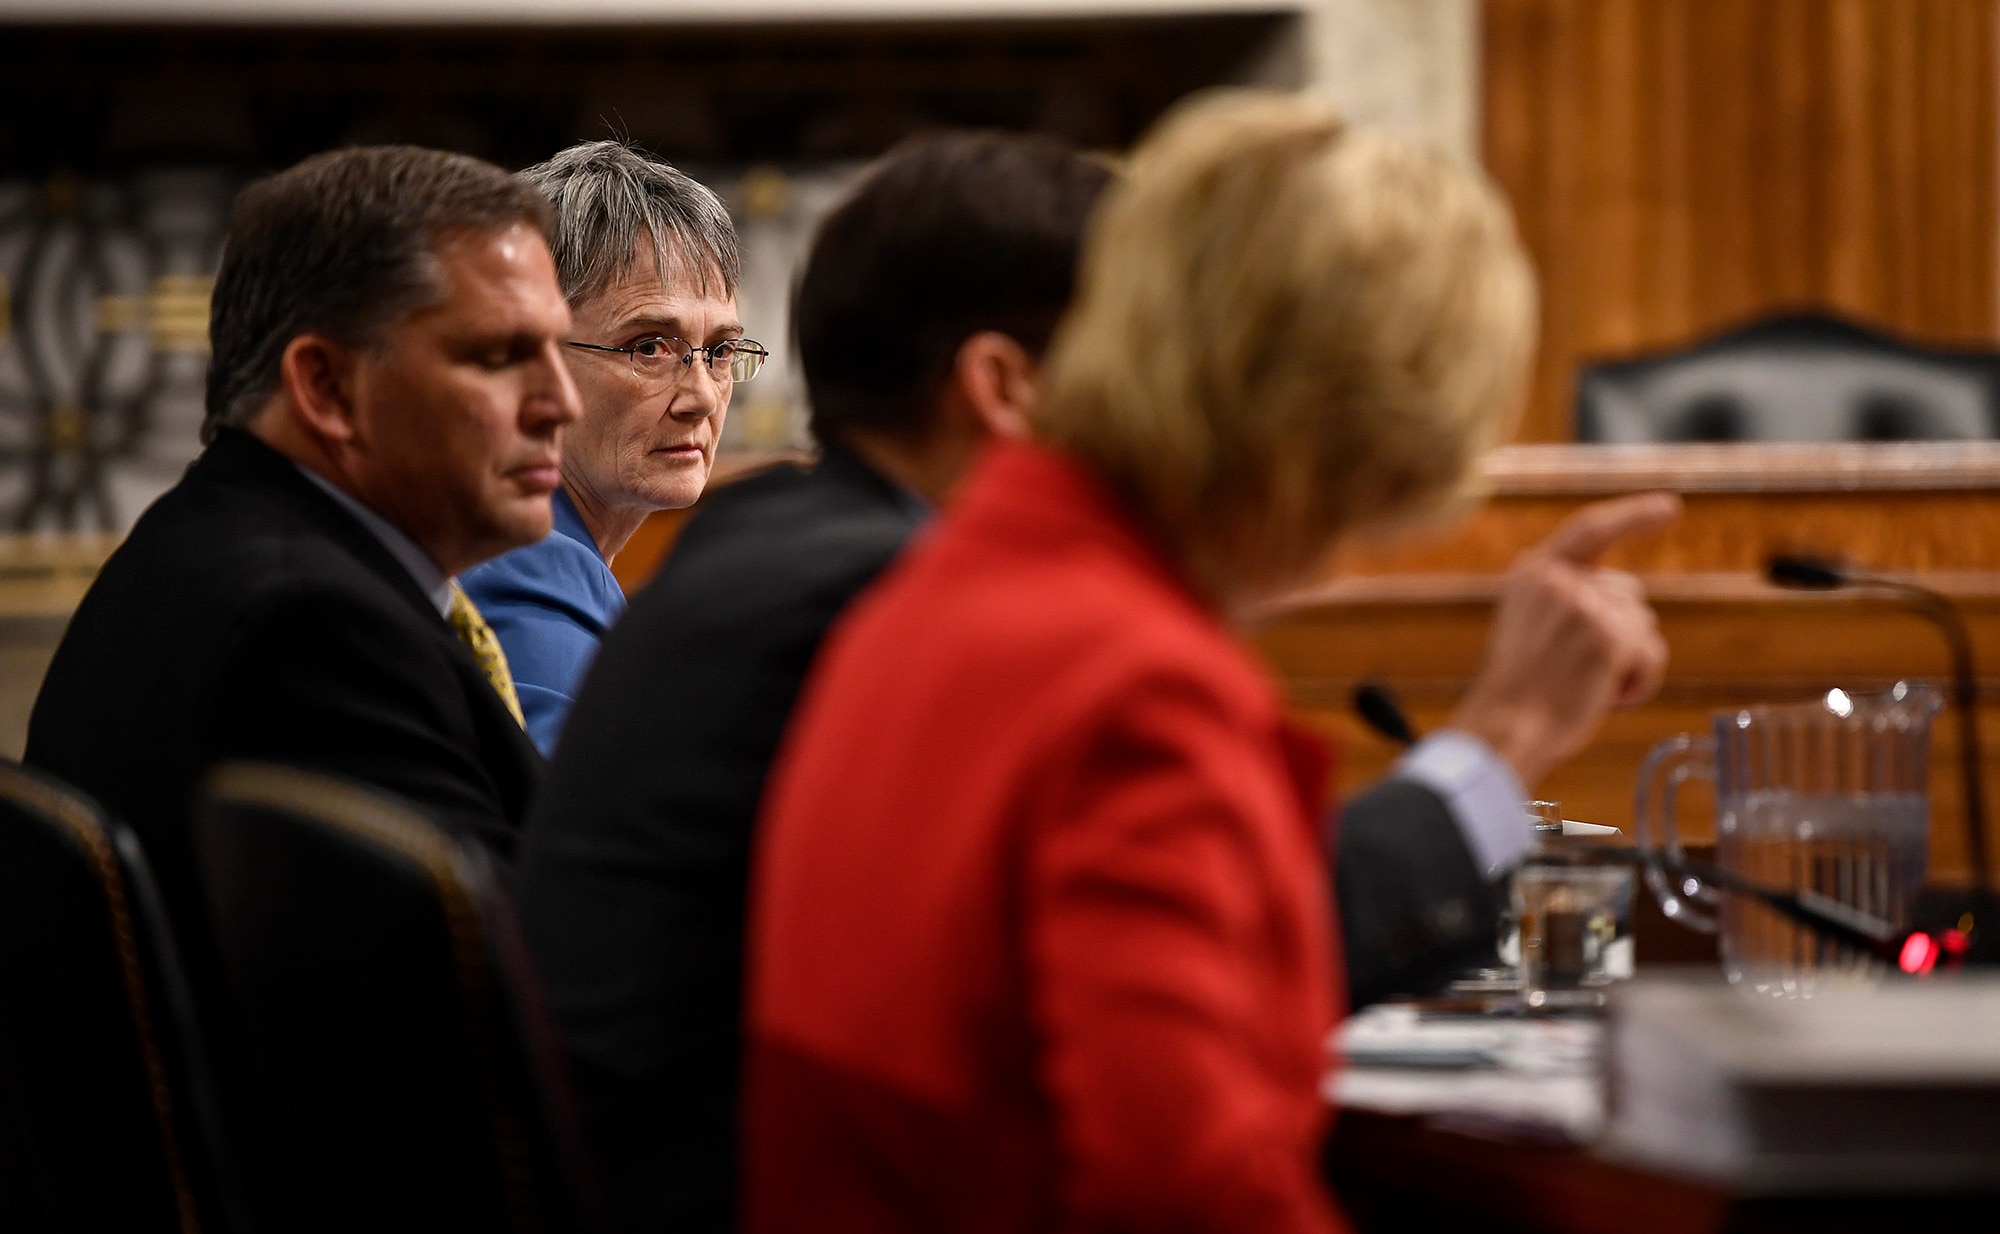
[1572, 916]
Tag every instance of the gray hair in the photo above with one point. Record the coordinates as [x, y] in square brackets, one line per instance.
[607, 194]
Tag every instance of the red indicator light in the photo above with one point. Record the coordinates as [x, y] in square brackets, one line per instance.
[1920, 952]
[1955, 942]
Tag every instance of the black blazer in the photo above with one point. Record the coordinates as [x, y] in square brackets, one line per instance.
[636, 858]
[1414, 907]
[249, 615]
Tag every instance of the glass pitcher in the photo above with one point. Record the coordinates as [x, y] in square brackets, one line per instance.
[1831, 795]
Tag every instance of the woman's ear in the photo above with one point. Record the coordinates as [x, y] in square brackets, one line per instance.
[318, 378]
[998, 383]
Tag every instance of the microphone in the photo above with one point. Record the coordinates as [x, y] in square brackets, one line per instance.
[1378, 708]
[1914, 951]
[1822, 914]
[1805, 573]
[1962, 941]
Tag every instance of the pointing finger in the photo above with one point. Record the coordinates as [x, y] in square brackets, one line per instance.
[1620, 583]
[1585, 535]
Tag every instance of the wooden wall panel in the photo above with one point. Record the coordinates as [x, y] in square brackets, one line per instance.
[1679, 166]
[1740, 645]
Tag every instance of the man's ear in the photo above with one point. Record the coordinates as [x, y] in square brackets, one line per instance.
[998, 382]
[318, 379]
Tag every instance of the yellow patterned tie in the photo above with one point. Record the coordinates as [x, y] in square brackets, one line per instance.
[479, 639]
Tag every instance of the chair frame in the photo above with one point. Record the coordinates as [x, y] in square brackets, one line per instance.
[117, 864]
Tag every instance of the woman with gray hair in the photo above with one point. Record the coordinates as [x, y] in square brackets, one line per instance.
[649, 264]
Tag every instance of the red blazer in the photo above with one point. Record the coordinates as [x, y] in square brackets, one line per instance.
[1040, 936]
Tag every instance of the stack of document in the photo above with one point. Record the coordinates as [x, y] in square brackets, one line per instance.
[1889, 1088]
[1506, 1076]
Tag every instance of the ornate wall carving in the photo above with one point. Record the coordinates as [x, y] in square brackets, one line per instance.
[103, 340]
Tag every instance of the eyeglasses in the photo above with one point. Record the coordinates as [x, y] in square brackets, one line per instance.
[660, 358]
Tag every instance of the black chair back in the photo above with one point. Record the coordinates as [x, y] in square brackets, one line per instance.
[408, 1070]
[1796, 377]
[107, 1116]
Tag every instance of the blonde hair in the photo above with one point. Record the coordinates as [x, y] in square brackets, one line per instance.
[1285, 331]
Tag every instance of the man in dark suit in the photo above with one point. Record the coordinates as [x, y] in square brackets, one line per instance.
[386, 393]
[921, 317]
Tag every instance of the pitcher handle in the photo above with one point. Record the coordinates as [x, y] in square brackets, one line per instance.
[1667, 766]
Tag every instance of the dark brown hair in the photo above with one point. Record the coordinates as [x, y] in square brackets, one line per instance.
[342, 244]
[949, 234]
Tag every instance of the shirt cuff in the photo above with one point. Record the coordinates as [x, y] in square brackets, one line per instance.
[1481, 791]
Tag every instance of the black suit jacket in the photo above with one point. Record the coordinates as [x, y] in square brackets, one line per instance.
[249, 615]
[1414, 906]
[636, 857]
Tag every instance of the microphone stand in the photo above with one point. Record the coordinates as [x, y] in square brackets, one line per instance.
[1822, 914]
[1963, 912]
[1916, 952]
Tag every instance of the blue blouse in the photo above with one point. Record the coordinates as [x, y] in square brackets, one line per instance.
[549, 603]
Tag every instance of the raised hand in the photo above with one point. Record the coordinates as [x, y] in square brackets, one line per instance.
[1571, 640]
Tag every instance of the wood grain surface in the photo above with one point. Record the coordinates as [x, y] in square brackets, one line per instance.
[1678, 166]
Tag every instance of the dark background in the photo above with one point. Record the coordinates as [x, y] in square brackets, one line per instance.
[107, 100]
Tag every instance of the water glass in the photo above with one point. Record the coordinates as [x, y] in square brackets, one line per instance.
[1575, 924]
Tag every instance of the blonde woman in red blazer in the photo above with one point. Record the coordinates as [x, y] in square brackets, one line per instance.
[1040, 937]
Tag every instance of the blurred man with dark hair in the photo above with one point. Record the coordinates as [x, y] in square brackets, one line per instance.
[921, 317]
[386, 395]
[922, 314]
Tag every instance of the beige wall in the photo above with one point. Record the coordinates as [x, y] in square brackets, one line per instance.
[1407, 65]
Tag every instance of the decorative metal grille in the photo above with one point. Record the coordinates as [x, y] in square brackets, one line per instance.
[104, 331]
[104, 278]
[103, 341]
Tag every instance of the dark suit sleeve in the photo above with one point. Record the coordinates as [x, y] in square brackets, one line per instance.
[331, 683]
[1414, 907]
